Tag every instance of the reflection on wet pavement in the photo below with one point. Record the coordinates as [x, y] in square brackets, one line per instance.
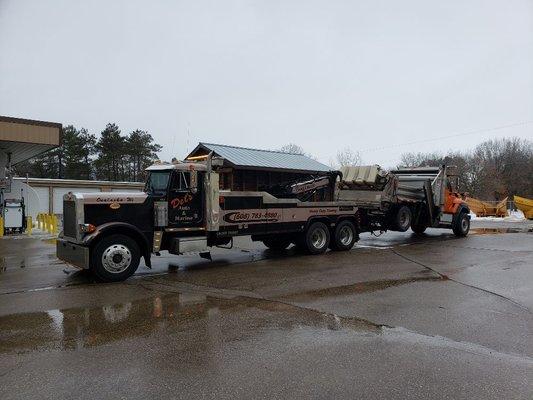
[204, 317]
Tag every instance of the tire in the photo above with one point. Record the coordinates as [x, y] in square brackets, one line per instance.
[461, 225]
[122, 254]
[317, 237]
[418, 228]
[402, 219]
[344, 236]
[277, 244]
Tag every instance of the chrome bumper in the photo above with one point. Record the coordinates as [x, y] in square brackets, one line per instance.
[73, 254]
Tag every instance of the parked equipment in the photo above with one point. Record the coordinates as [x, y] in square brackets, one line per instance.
[13, 213]
[525, 205]
[183, 210]
[487, 208]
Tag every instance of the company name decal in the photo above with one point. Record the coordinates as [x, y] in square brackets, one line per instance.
[248, 216]
[181, 201]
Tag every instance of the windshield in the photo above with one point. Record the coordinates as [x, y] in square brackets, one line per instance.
[157, 182]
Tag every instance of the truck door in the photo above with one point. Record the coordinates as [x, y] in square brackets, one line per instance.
[185, 208]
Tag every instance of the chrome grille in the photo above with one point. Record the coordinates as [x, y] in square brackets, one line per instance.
[69, 218]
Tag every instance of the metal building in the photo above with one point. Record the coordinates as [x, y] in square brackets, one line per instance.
[255, 169]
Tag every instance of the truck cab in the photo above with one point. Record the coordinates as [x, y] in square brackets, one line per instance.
[109, 232]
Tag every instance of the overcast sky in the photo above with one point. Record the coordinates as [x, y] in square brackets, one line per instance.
[323, 74]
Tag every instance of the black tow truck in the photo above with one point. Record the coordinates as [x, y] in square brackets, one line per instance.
[182, 210]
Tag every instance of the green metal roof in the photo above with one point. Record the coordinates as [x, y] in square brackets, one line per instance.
[267, 159]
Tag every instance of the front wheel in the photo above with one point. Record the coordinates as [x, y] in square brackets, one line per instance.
[115, 258]
[461, 225]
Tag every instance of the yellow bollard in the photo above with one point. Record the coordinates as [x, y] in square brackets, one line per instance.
[29, 225]
[54, 224]
[40, 221]
[1, 226]
[45, 221]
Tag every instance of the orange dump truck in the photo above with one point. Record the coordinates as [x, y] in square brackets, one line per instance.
[415, 198]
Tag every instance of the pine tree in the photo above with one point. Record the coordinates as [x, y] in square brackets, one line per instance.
[110, 150]
[142, 151]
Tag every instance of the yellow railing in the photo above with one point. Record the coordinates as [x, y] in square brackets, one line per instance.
[47, 223]
[1, 226]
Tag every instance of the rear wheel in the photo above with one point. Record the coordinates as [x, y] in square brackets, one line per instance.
[278, 243]
[418, 228]
[461, 225]
[316, 239]
[115, 258]
[344, 236]
[402, 219]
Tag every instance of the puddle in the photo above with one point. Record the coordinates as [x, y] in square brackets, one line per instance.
[26, 252]
[21, 262]
[200, 318]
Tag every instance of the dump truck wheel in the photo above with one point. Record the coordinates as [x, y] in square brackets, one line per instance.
[461, 225]
[115, 258]
[344, 236]
[317, 238]
[418, 228]
[402, 219]
[277, 243]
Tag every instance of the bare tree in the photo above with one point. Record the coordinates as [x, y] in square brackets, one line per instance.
[421, 160]
[493, 170]
[346, 157]
[292, 149]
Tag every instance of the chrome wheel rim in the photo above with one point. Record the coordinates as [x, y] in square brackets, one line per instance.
[346, 235]
[318, 238]
[116, 258]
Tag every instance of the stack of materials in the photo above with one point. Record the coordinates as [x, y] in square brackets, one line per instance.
[524, 205]
[487, 208]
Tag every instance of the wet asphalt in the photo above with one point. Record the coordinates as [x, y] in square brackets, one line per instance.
[399, 316]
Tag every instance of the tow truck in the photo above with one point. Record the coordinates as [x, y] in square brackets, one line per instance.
[182, 210]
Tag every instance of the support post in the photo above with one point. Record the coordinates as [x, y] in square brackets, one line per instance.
[29, 225]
